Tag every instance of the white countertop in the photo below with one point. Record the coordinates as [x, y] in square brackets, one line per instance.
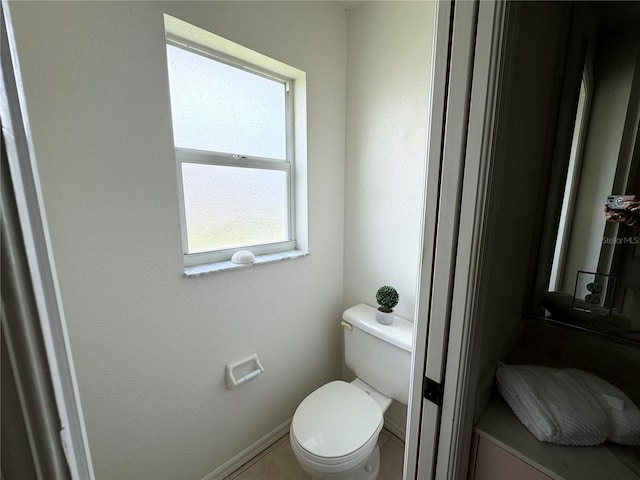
[608, 461]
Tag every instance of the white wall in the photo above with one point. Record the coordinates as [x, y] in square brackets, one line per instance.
[150, 345]
[389, 61]
[523, 150]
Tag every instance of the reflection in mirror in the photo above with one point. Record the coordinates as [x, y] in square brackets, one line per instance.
[592, 243]
[570, 189]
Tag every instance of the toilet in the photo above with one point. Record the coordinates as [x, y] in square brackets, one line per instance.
[334, 431]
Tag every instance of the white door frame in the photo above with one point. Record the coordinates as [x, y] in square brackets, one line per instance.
[466, 82]
[47, 338]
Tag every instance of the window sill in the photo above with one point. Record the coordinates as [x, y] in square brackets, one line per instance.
[207, 268]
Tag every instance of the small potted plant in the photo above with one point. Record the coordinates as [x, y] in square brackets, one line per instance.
[387, 298]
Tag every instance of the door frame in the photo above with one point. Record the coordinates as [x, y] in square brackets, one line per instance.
[466, 84]
[36, 334]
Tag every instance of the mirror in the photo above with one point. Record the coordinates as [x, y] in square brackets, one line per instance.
[589, 264]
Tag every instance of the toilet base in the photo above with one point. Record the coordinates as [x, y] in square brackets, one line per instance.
[369, 469]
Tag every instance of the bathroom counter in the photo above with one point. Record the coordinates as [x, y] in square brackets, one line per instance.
[499, 425]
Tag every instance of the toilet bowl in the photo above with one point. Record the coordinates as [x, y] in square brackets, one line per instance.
[334, 431]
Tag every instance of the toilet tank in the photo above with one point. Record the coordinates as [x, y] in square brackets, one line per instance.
[380, 355]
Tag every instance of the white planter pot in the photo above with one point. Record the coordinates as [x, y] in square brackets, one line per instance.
[384, 318]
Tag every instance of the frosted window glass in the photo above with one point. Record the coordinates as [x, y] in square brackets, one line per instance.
[220, 108]
[228, 207]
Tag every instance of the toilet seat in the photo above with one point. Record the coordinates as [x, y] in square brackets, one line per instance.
[338, 424]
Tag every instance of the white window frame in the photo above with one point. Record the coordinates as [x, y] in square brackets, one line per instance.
[293, 80]
[184, 155]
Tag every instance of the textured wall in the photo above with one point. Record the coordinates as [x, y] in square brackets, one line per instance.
[389, 62]
[150, 346]
[524, 145]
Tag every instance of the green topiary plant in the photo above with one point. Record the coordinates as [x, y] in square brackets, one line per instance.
[387, 298]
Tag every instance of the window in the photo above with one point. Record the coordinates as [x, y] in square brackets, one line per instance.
[234, 132]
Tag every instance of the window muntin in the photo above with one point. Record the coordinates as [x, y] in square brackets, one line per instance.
[233, 137]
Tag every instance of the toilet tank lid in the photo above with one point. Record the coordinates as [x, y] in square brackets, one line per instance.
[399, 333]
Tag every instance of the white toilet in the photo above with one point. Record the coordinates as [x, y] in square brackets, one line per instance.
[334, 431]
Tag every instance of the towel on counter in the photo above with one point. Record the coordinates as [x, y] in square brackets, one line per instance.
[624, 415]
[568, 407]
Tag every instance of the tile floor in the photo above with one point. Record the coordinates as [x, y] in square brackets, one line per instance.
[278, 463]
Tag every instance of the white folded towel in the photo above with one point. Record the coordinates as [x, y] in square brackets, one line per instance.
[568, 407]
[624, 416]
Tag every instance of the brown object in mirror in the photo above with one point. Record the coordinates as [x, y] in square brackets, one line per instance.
[628, 214]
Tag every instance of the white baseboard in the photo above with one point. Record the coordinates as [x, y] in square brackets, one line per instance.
[248, 453]
[393, 427]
